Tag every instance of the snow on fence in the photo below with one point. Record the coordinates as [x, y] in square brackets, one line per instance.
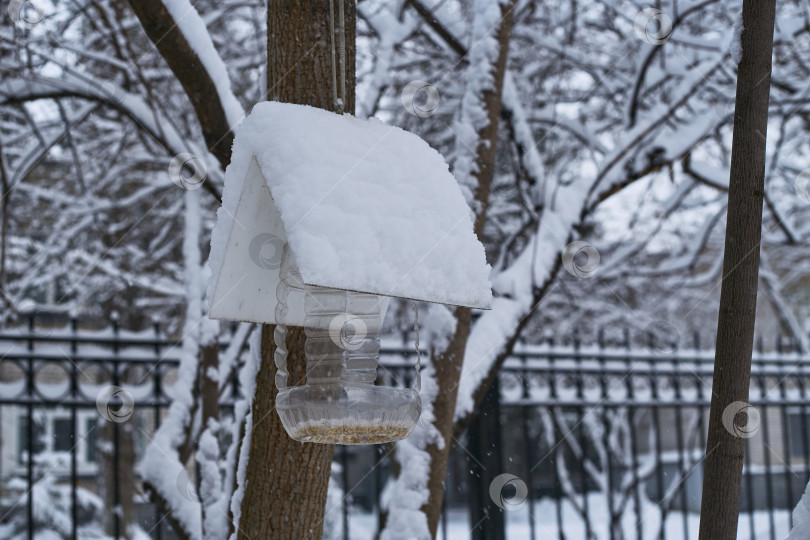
[603, 440]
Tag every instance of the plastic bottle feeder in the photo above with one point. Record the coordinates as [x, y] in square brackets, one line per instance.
[324, 219]
[339, 404]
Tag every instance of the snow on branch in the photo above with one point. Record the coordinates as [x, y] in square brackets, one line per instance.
[193, 28]
[239, 451]
[162, 466]
[405, 495]
[73, 83]
[474, 117]
[530, 157]
[516, 288]
[519, 287]
[391, 33]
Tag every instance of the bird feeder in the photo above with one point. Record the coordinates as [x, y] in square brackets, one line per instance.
[324, 218]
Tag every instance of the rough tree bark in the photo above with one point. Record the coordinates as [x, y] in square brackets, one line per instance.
[286, 494]
[738, 297]
[448, 363]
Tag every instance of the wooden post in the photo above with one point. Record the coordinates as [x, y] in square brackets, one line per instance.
[738, 298]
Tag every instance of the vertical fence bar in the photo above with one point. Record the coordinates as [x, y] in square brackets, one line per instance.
[555, 450]
[158, 391]
[749, 481]
[344, 463]
[603, 383]
[487, 522]
[656, 419]
[633, 445]
[763, 392]
[682, 470]
[803, 420]
[527, 445]
[116, 450]
[476, 504]
[766, 452]
[701, 408]
[580, 383]
[29, 429]
[747, 470]
[235, 376]
[786, 460]
[74, 393]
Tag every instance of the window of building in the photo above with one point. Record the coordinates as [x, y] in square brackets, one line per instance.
[62, 435]
[91, 426]
[798, 430]
[22, 438]
[52, 431]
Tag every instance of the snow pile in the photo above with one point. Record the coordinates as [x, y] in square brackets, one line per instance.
[365, 206]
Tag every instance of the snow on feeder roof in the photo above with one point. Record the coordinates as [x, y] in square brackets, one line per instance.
[364, 206]
[323, 218]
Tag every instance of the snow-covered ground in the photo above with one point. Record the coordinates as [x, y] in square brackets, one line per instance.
[363, 525]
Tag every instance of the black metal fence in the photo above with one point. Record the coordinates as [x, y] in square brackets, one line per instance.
[604, 440]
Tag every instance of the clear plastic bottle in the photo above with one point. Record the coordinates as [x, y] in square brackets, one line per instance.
[339, 404]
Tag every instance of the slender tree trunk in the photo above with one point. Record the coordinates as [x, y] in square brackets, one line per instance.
[448, 371]
[448, 364]
[285, 495]
[209, 404]
[117, 452]
[123, 474]
[730, 420]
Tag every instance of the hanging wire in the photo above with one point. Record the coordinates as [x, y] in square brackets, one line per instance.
[342, 44]
[418, 382]
[332, 37]
[339, 104]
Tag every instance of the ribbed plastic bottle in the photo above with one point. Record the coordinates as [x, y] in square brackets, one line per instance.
[339, 404]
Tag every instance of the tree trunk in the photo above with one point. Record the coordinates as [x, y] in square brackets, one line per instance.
[116, 449]
[285, 495]
[448, 371]
[448, 363]
[730, 421]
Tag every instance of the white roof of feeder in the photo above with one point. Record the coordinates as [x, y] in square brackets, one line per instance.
[364, 206]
